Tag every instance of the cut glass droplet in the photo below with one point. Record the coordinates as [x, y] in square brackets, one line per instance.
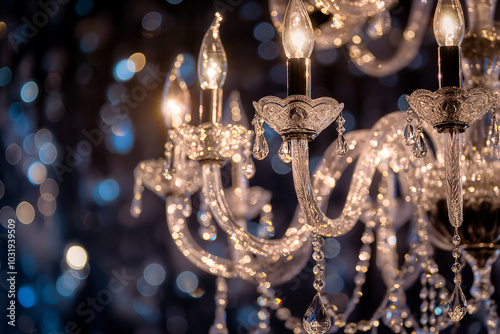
[420, 147]
[248, 168]
[284, 152]
[316, 319]
[458, 305]
[409, 136]
[260, 148]
[341, 145]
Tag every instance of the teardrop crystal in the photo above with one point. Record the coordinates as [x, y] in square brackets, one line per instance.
[260, 148]
[409, 136]
[420, 147]
[284, 152]
[248, 168]
[458, 305]
[341, 145]
[316, 319]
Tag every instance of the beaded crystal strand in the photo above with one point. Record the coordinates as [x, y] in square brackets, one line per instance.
[316, 319]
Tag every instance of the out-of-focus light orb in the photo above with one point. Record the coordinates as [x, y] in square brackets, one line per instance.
[37, 173]
[29, 144]
[331, 248]
[108, 190]
[26, 296]
[6, 213]
[25, 213]
[115, 93]
[121, 138]
[42, 137]
[174, 2]
[142, 307]
[47, 153]
[122, 70]
[154, 274]
[2, 189]
[63, 288]
[3, 29]
[84, 7]
[250, 11]
[138, 60]
[145, 288]
[279, 166]
[52, 82]
[51, 320]
[264, 31]
[151, 21]
[49, 186]
[28, 263]
[55, 109]
[5, 75]
[177, 324]
[278, 73]
[47, 204]
[16, 111]
[29, 91]
[76, 257]
[187, 70]
[187, 281]
[49, 294]
[13, 154]
[333, 284]
[403, 103]
[326, 57]
[268, 50]
[89, 42]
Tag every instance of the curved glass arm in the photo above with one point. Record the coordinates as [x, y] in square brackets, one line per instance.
[364, 8]
[407, 50]
[294, 238]
[202, 259]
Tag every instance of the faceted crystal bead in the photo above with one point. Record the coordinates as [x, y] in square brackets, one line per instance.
[456, 253]
[284, 152]
[456, 267]
[283, 313]
[420, 147]
[341, 145]
[458, 305]
[316, 319]
[318, 241]
[409, 136]
[351, 328]
[318, 284]
[318, 255]
[364, 325]
[248, 168]
[260, 148]
[456, 240]
[318, 270]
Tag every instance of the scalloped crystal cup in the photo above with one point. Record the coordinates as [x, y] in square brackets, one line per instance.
[151, 173]
[211, 141]
[452, 107]
[298, 116]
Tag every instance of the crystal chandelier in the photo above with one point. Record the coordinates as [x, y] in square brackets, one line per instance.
[440, 159]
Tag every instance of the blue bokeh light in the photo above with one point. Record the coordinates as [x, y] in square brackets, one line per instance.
[16, 111]
[47, 153]
[174, 2]
[122, 70]
[108, 190]
[250, 11]
[26, 296]
[264, 31]
[29, 91]
[28, 263]
[5, 76]
[151, 21]
[187, 281]
[83, 7]
[89, 42]
[268, 50]
[403, 103]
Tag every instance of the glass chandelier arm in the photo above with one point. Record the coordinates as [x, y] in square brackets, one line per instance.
[453, 179]
[360, 7]
[294, 238]
[202, 259]
[414, 32]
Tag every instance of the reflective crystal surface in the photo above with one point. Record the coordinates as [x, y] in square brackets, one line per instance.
[316, 320]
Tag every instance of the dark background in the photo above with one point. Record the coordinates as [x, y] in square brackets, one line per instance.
[77, 73]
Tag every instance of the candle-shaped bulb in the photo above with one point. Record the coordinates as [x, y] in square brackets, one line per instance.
[449, 24]
[212, 61]
[298, 34]
[176, 100]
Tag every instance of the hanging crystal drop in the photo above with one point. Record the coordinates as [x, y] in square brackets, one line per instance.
[260, 149]
[316, 319]
[248, 168]
[409, 136]
[420, 147]
[458, 304]
[284, 152]
[341, 145]
[136, 207]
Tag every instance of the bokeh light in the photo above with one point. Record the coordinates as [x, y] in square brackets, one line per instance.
[29, 91]
[16, 111]
[122, 70]
[145, 288]
[250, 11]
[174, 2]
[5, 75]
[25, 213]
[89, 42]
[151, 21]
[37, 172]
[268, 50]
[154, 274]
[187, 281]
[136, 62]
[26, 296]
[76, 257]
[47, 204]
[106, 191]
[263, 31]
[84, 7]
[13, 154]
[47, 153]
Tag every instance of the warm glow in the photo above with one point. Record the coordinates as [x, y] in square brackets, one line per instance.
[212, 61]
[76, 257]
[298, 34]
[176, 104]
[449, 23]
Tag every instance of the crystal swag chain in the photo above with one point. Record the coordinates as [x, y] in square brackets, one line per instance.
[219, 326]
[341, 142]
[316, 319]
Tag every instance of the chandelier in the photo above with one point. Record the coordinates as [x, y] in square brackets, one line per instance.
[433, 168]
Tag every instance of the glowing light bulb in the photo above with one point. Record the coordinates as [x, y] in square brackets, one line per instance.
[176, 101]
[449, 23]
[212, 61]
[298, 34]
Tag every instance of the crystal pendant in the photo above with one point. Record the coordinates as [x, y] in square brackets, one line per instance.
[248, 168]
[420, 147]
[341, 145]
[495, 135]
[409, 136]
[284, 152]
[260, 149]
[458, 305]
[316, 319]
